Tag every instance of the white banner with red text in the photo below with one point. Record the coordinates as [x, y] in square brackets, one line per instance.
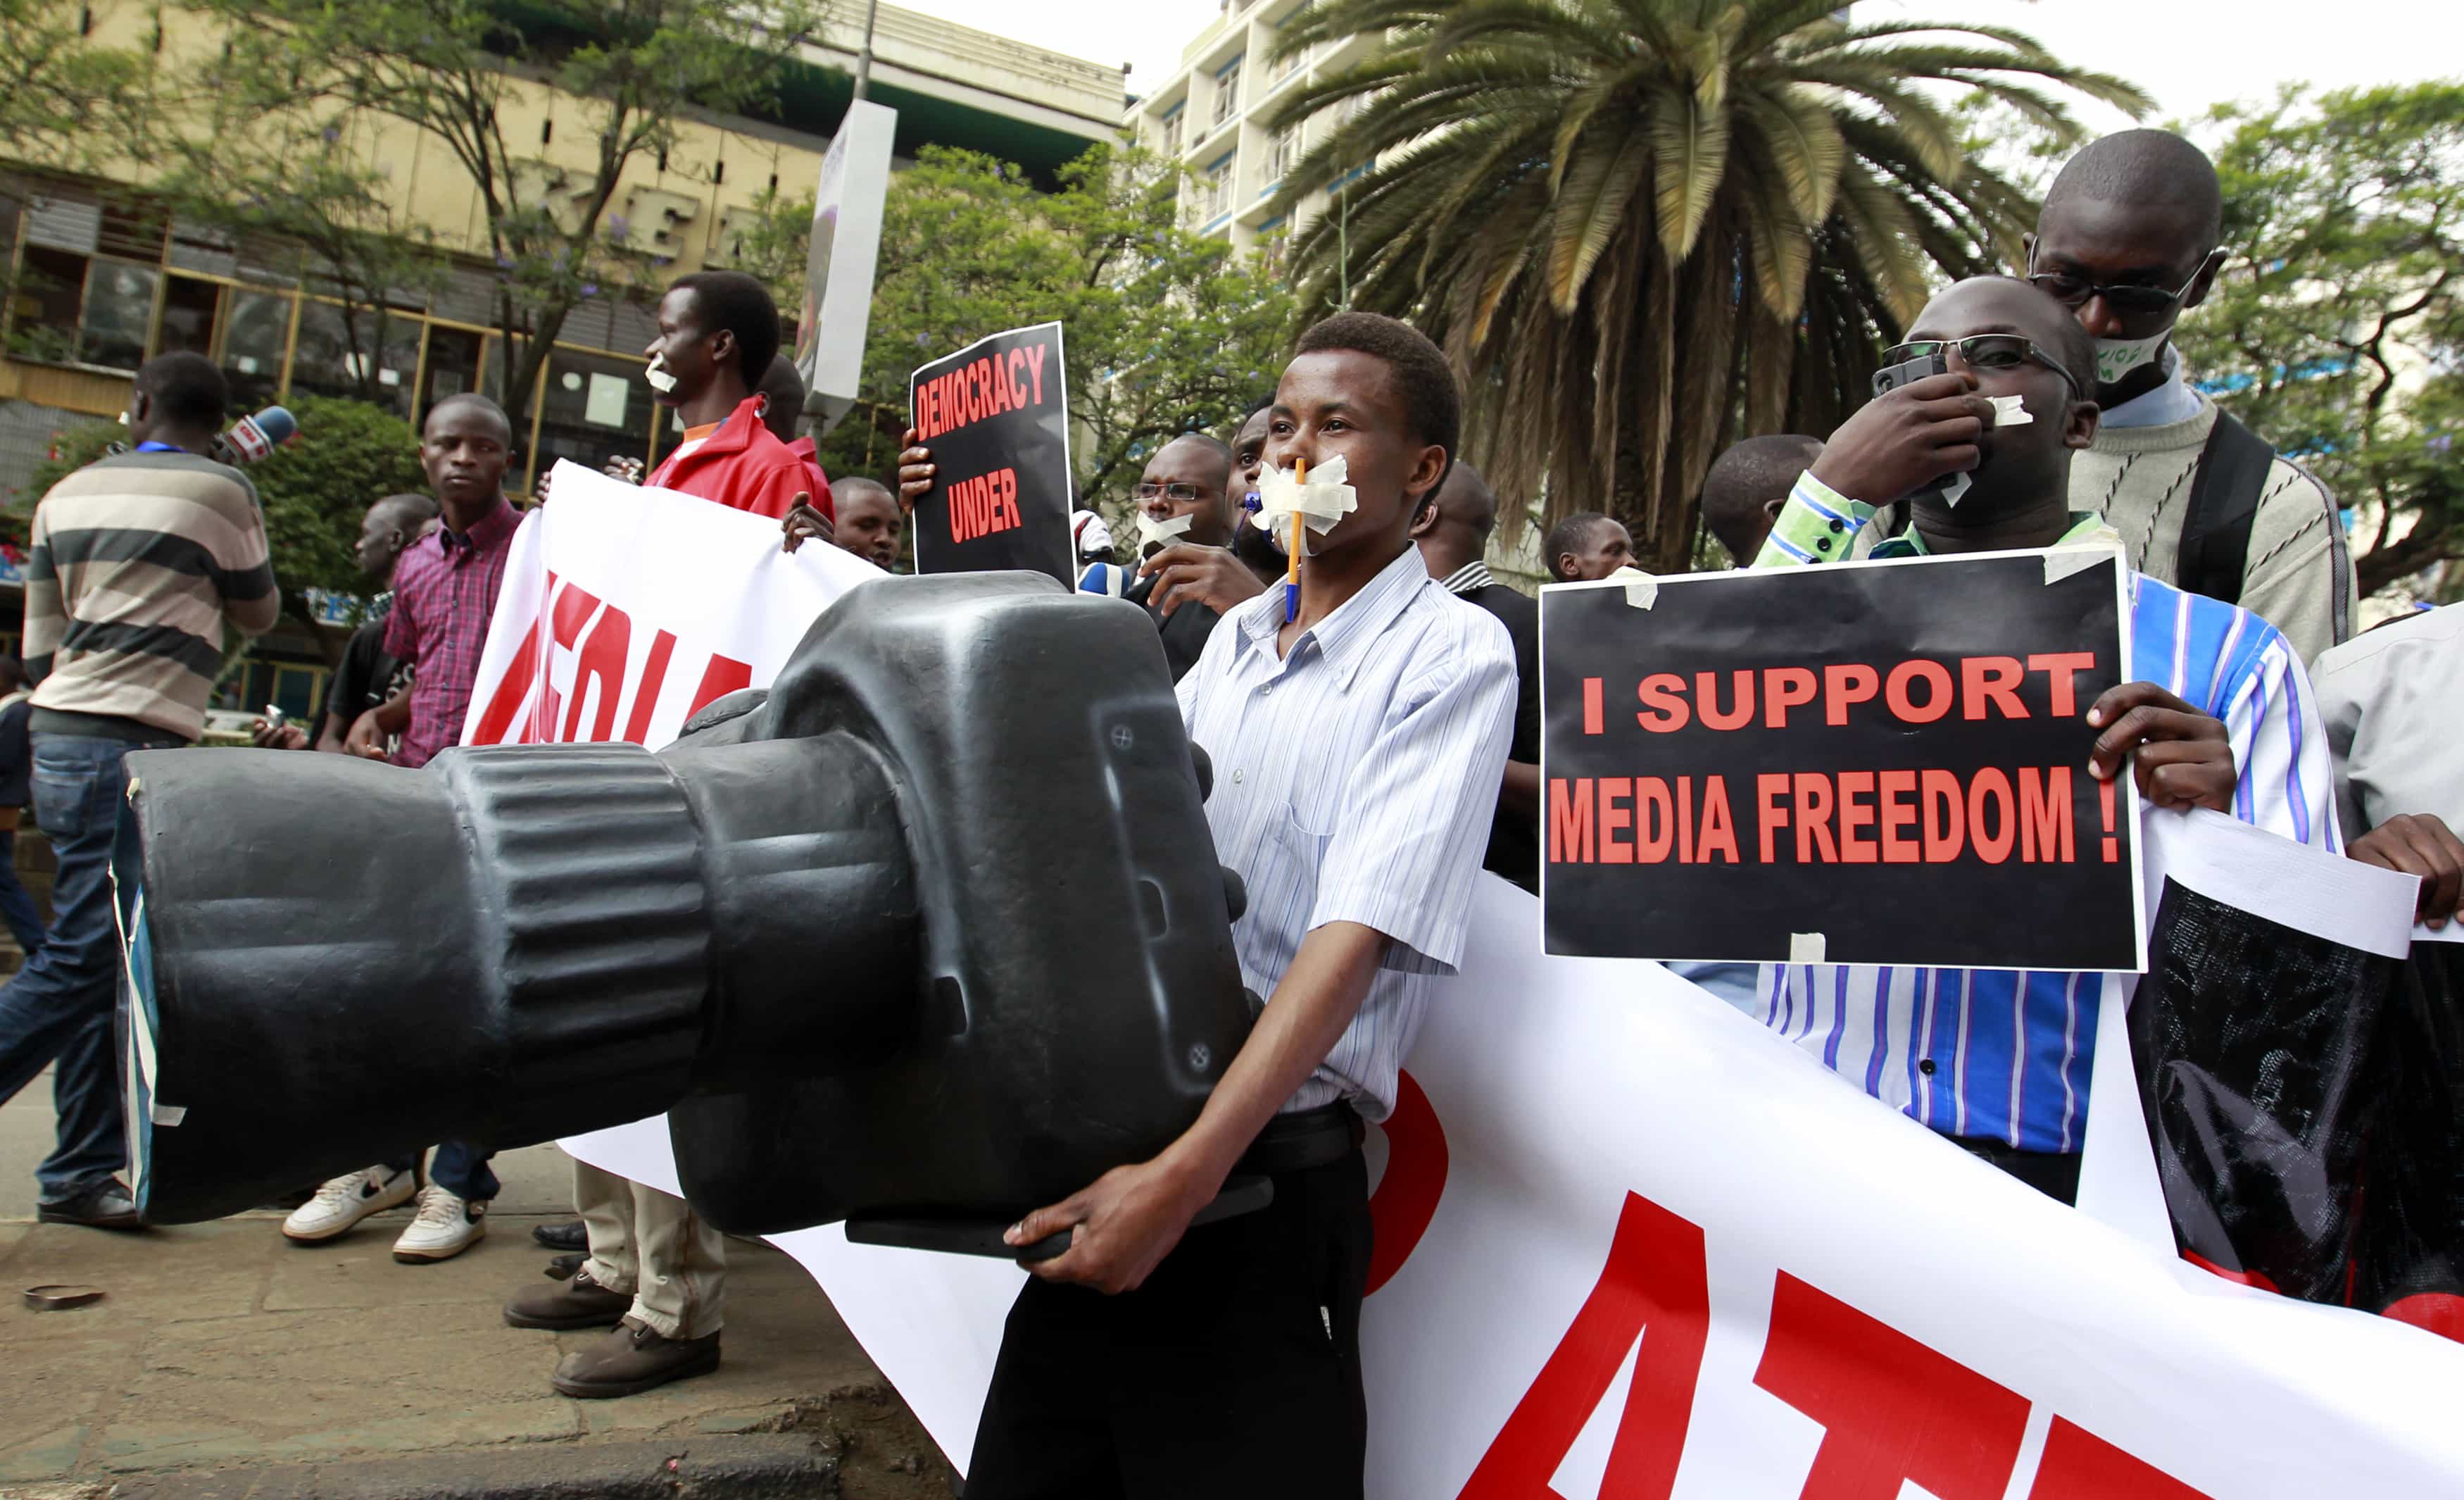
[625, 609]
[1629, 1242]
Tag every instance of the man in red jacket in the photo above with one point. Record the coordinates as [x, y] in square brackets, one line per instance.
[718, 332]
[656, 1275]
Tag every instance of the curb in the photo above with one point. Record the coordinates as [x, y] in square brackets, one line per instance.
[745, 1468]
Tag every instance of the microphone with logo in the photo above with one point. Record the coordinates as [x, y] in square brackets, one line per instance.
[252, 438]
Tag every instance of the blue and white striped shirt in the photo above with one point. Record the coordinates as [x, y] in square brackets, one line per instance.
[2005, 1055]
[1353, 781]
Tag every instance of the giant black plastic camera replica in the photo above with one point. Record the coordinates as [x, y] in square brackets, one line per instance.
[934, 929]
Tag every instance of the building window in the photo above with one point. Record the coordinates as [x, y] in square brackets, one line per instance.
[188, 308]
[594, 409]
[1280, 154]
[1227, 91]
[82, 309]
[1219, 188]
[1289, 62]
[256, 330]
[1172, 132]
[338, 355]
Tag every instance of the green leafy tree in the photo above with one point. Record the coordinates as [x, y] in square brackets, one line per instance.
[1635, 225]
[276, 177]
[2336, 328]
[454, 69]
[1165, 330]
[316, 489]
[64, 98]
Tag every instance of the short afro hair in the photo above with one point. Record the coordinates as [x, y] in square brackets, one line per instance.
[1746, 477]
[1215, 448]
[1432, 405]
[187, 390]
[735, 301]
[1465, 496]
[1570, 535]
[2150, 168]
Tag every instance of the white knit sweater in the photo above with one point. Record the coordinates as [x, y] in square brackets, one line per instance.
[2300, 576]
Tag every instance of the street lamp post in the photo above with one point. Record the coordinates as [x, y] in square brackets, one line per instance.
[863, 59]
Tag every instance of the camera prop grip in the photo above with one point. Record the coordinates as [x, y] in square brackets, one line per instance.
[933, 932]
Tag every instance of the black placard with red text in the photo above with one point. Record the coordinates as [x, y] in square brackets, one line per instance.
[1874, 763]
[996, 415]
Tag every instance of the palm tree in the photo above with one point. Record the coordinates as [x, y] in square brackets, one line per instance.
[1642, 228]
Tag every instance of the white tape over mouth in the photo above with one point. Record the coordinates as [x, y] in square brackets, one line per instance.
[1153, 533]
[656, 373]
[2010, 411]
[1324, 500]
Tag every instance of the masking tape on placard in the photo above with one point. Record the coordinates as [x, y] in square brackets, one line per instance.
[2060, 562]
[1805, 947]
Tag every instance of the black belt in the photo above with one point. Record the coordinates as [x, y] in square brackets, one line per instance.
[1301, 1139]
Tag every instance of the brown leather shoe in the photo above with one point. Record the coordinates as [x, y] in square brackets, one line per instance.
[630, 1361]
[578, 1303]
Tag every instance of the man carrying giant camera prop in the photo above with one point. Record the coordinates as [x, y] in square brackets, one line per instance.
[2213, 712]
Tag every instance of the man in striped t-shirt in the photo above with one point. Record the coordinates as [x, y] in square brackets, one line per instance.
[142, 564]
[2222, 718]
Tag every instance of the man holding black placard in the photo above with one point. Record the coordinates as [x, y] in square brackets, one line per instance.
[2223, 717]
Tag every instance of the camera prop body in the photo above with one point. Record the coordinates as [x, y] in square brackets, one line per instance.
[933, 931]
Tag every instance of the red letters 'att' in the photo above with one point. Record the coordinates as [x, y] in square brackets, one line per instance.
[1654, 1286]
[1891, 1409]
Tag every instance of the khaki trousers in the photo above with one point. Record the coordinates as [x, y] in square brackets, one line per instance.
[653, 1245]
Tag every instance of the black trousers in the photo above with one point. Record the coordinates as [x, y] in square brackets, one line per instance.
[2054, 1174]
[1233, 1372]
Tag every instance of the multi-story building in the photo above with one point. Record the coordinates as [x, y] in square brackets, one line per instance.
[1211, 116]
[106, 277]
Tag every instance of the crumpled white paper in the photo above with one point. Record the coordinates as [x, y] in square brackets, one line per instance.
[1153, 533]
[1324, 500]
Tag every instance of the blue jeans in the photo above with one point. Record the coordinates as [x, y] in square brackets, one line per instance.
[17, 909]
[61, 1004]
[459, 1168]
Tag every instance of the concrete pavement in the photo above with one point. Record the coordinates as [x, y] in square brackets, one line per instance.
[224, 1362]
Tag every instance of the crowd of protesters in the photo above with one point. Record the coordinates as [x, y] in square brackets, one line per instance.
[1392, 717]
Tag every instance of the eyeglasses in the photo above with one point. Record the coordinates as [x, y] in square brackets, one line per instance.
[2130, 301]
[1178, 492]
[1984, 351]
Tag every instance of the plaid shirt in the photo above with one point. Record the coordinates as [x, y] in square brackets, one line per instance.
[444, 594]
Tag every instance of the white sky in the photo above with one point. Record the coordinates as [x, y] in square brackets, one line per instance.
[2190, 54]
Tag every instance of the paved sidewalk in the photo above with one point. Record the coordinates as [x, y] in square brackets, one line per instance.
[225, 1362]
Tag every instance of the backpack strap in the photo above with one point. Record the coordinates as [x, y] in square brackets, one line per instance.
[2224, 501]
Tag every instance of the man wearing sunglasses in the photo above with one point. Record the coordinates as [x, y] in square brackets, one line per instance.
[2222, 716]
[2127, 242]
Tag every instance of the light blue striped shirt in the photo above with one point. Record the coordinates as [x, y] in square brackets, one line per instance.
[2005, 1055]
[1353, 781]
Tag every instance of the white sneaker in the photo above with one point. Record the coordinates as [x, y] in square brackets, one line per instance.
[444, 1227]
[347, 1200]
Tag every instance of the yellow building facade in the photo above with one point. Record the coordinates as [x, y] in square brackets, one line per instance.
[106, 279]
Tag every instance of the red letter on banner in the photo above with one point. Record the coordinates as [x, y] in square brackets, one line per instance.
[1891, 1409]
[722, 676]
[2080, 1465]
[602, 656]
[1654, 1288]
